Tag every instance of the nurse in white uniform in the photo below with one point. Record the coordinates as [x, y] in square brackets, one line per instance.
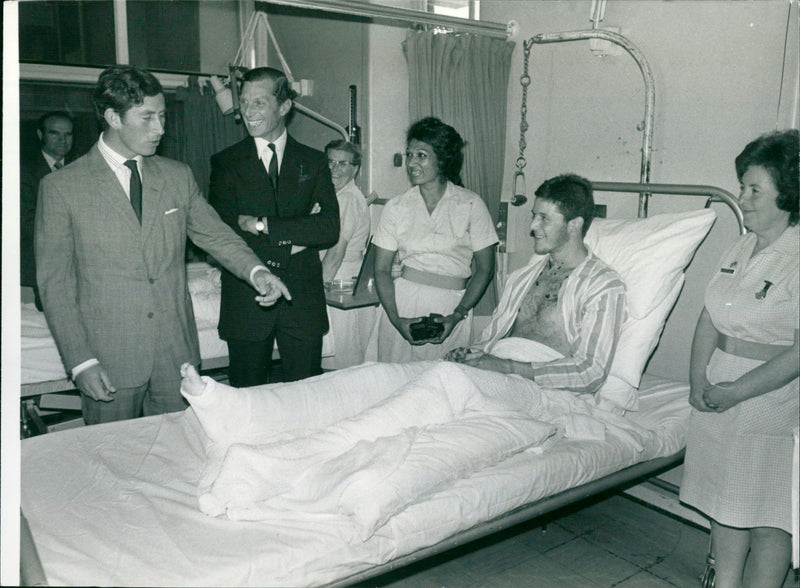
[349, 329]
[437, 229]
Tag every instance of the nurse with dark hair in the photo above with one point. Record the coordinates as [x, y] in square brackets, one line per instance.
[744, 372]
[439, 231]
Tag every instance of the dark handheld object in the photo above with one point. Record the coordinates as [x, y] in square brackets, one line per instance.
[427, 328]
[353, 130]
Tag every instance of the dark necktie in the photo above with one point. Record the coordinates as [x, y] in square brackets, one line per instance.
[58, 165]
[273, 167]
[136, 188]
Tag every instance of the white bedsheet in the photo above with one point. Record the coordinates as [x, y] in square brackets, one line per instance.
[117, 504]
[42, 363]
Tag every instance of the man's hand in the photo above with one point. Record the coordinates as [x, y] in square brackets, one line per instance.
[270, 287]
[248, 223]
[95, 383]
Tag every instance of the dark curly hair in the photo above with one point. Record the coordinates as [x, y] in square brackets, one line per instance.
[777, 152]
[447, 145]
[121, 87]
[572, 194]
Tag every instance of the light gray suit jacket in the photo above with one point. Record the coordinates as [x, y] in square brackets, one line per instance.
[110, 286]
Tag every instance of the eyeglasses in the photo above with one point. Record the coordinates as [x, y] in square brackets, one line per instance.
[332, 164]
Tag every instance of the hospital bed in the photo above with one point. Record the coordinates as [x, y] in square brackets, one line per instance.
[118, 504]
[48, 397]
[42, 369]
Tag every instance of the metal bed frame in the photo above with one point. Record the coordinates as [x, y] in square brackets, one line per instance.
[619, 480]
[32, 572]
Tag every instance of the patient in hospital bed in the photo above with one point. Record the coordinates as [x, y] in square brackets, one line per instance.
[560, 317]
[368, 442]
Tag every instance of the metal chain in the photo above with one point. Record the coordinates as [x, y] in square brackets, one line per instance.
[525, 81]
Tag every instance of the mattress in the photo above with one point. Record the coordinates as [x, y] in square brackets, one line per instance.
[42, 363]
[117, 504]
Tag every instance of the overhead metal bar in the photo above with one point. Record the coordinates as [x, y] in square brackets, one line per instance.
[407, 16]
[649, 85]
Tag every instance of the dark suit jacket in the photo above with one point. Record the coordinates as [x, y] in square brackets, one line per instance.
[240, 185]
[110, 285]
[32, 170]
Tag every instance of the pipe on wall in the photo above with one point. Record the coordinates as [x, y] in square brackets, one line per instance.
[649, 85]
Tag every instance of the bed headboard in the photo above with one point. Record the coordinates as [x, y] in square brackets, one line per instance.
[713, 194]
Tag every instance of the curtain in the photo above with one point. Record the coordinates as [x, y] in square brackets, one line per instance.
[196, 130]
[203, 130]
[463, 80]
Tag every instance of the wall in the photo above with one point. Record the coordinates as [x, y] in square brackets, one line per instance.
[717, 68]
[219, 35]
[388, 109]
[330, 50]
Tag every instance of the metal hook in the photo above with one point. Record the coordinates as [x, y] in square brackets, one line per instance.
[519, 194]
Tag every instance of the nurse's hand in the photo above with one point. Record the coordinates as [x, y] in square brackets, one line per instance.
[403, 327]
[95, 383]
[696, 395]
[721, 396]
[450, 321]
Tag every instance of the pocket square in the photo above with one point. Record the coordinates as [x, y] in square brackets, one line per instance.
[171, 210]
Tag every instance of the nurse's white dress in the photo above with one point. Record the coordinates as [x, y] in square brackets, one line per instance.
[441, 243]
[738, 466]
[350, 329]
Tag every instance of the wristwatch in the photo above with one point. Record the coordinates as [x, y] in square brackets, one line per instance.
[260, 226]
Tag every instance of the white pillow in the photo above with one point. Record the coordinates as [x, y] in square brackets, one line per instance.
[636, 342]
[649, 254]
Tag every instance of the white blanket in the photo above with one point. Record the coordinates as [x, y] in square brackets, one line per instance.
[432, 424]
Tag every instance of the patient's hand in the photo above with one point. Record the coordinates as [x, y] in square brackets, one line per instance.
[192, 384]
[462, 354]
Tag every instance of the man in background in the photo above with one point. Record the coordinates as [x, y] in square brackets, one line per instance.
[54, 131]
[110, 240]
[278, 195]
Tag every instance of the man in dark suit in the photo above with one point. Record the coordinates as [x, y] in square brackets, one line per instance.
[111, 232]
[54, 130]
[278, 195]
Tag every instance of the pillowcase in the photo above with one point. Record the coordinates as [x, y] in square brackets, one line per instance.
[636, 342]
[649, 254]
[204, 283]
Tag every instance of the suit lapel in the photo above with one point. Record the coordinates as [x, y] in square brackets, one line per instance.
[254, 173]
[290, 172]
[152, 188]
[109, 189]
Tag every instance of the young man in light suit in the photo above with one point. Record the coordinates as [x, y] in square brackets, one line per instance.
[284, 205]
[110, 241]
